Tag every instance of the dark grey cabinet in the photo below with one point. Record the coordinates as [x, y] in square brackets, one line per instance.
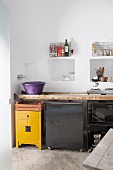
[64, 124]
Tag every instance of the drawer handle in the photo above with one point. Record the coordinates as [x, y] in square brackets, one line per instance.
[27, 116]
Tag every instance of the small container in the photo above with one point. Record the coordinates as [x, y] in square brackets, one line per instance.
[96, 137]
[66, 77]
[103, 79]
[72, 76]
[53, 50]
[111, 49]
[59, 51]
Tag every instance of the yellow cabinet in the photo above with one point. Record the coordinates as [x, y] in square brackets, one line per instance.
[28, 128]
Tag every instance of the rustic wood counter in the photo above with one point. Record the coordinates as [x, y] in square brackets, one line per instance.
[66, 96]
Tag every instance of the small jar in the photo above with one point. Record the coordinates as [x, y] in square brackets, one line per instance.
[72, 76]
[66, 77]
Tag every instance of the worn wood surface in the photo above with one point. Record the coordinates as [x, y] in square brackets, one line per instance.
[107, 160]
[30, 107]
[101, 158]
[66, 96]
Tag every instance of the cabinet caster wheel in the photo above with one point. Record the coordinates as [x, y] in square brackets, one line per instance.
[49, 148]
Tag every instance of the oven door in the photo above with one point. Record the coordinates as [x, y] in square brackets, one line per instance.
[102, 112]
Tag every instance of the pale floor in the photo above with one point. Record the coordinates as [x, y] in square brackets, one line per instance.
[30, 158]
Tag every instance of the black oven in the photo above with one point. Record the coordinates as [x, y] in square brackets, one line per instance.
[100, 111]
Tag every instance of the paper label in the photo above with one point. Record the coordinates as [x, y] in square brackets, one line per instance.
[66, 48]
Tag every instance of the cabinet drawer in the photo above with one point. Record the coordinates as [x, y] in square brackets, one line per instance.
[28, 115]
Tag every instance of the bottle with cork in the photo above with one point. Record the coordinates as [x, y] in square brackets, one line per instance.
[66, 48]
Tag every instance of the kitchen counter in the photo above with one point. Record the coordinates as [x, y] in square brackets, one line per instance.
[72, 112]
[66, 96]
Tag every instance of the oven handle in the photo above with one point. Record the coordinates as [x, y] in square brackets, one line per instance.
[102, 102]
[63, 103]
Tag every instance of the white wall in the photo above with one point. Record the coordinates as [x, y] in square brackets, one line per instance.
[35, 24]
[16, 58]
[5, 108]
[38, 23]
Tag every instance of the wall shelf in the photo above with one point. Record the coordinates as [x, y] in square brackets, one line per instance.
[101, 57]
[61, 69]
[61, 80]
[102, 62]
[62, 58]
[27, 63]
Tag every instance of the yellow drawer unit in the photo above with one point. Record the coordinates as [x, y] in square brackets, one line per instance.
[28, 127]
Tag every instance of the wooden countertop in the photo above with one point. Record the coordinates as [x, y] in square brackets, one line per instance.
[66, 96]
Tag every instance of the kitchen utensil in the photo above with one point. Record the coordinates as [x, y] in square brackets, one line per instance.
[100, 72]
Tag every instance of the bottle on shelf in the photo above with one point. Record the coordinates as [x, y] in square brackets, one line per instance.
[66, 48]
[59, 51]
[63, 55]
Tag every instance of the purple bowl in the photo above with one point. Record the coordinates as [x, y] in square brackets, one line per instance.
[33, 87]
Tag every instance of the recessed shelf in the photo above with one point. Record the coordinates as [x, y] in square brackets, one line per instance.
[61, 70]
[29, 63]
[60, 80]
[101, 57]
[62, 58]
[102, 48]
[107, 64]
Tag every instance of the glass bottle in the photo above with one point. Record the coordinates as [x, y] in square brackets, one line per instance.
[66, 48]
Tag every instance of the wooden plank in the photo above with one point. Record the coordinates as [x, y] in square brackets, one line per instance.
[107, 160]
[66, 97]
[28, 109]
[97, 154]
[28, 105]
